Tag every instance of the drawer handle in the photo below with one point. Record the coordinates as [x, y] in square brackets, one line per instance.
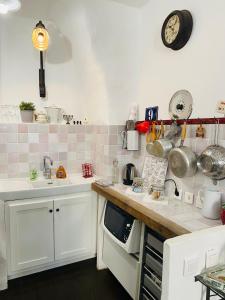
[57, 209]
[51, 211]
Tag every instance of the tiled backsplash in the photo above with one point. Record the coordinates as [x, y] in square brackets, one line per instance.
[22, 147]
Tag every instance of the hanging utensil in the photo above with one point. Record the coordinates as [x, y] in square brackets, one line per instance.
[200, 131]
[212, 160]
[162, 147]
[150, 138]
[181, 104]
[162, 130]
[182, 160]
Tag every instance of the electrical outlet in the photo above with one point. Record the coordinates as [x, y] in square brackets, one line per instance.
[180, 195]
[191, 266]
[212, 258]
[188, 197]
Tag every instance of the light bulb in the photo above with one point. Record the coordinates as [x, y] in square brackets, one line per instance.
[40, 38]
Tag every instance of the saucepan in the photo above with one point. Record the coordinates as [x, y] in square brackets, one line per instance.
[182, 160]
[161, 148]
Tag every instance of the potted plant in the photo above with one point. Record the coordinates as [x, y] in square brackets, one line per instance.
[27, 111]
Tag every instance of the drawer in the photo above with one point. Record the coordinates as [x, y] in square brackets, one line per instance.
[146, 295]
[152, 287]
[154, 242]
[153, 264]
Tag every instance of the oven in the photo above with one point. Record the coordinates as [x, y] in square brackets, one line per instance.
[122, 228]
[121, 246]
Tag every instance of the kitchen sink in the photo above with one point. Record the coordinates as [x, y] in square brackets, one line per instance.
[50, 183]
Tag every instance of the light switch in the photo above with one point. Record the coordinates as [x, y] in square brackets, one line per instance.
[191, 265]
[212, 258]
[188, 197]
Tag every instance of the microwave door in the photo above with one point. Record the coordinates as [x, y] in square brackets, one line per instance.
[116, 221]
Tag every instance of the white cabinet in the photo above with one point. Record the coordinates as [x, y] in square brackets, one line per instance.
[47, 231]
[30, 233]
[75, 226]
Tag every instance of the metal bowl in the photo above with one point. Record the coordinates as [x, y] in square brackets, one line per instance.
[212, 162]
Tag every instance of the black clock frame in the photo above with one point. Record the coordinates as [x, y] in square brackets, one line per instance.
[185, 30]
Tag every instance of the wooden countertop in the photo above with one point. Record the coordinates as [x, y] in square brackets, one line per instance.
[152, 219]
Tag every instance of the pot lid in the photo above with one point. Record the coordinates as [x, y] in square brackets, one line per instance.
[181, 104]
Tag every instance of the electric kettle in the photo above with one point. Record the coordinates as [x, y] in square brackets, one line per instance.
[129, 172]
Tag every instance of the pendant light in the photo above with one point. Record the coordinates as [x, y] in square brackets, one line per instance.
[40, 39]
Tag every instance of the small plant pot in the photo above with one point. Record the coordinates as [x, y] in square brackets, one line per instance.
[27, 116]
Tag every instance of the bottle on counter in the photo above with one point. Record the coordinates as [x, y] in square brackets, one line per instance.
[33, 174]
[61, 172]
[115, 171]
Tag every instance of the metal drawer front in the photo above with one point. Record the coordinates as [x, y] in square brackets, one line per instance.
[155, 243]
[152, 287]
[153, 264]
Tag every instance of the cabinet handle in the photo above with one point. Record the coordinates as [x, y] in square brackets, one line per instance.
[51, 211]
[57, 209]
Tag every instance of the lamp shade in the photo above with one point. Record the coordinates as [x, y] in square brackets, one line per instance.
[40, 37]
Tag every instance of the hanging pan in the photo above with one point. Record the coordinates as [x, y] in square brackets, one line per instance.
[182, 160]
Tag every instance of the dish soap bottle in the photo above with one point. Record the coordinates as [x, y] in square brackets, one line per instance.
[115, 172]
[61, 172]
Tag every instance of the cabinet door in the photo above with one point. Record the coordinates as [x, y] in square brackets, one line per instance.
[75, 226]
[30, 233]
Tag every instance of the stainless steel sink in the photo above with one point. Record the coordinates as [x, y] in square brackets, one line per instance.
[51, 183]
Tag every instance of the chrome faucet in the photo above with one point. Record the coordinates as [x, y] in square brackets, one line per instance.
[47, 173]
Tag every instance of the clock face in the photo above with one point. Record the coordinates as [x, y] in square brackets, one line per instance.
[172, 29]
[176, 29]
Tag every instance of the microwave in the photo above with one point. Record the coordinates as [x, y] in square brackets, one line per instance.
[122, 228]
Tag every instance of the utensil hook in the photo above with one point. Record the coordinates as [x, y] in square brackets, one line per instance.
[215, 131]
[218, 130]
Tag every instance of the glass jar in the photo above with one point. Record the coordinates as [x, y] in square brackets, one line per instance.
[156, 192]
[138, 185]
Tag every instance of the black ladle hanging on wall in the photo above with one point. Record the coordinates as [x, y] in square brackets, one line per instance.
[40, 39]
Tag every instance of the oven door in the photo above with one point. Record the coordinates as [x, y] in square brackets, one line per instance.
[121, 227]
[118, 222]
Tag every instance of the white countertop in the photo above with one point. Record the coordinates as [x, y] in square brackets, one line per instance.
[23, 188]
[185, 215]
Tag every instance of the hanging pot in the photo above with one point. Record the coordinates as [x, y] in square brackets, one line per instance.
[182, 160]
[161, 148]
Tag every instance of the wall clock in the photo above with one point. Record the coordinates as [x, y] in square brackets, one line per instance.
[177, 29]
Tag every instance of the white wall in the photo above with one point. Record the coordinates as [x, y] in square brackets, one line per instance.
[92, 63]
[199, 67]
[106, 54]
